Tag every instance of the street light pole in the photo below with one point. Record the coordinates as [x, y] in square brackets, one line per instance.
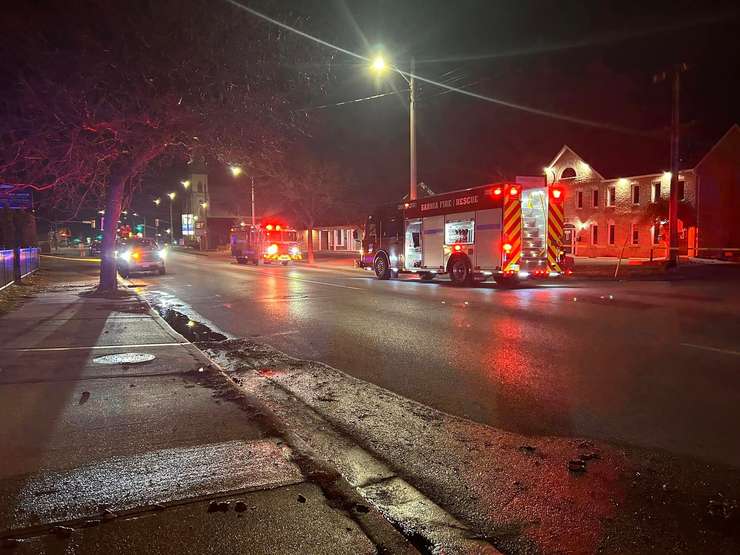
[412, 135]
[172, 221]
[253, 218]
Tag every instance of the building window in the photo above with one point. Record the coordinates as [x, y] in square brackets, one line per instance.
[579, 199]
[595, 198]
[656, 234]
[568, 173]
[611, 196]
[200, 187]
[594, 234]
[635, 194]
[656, 192]
[612, 234]
[635, 234]
[681, 190]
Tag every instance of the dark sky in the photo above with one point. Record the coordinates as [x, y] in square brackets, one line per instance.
[592, 60]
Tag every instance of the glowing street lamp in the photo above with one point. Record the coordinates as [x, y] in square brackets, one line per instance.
[172, 221]
[236, 171]
[379, 65]
[185, 183]
[157, 201]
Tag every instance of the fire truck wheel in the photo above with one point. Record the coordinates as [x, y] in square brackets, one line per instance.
[460, 271]
[381, 267]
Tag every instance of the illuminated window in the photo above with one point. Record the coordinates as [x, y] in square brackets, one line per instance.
[459, 232]
[635, 194]
[655, 197]
[681, 190]
[568, 173]
[611, 196]
[612, 234]
[635, 234]
[579, 199]
[595, 198]
[594, 234]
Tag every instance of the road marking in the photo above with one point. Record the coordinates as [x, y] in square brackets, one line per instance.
[133, 346]
[713, 349]
[290, 332]
[327, 284]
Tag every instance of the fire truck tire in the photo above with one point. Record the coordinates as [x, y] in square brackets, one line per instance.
[382, 267]
[460, 271]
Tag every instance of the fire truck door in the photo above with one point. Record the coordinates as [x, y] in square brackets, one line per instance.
[432, 243]
[488, 238]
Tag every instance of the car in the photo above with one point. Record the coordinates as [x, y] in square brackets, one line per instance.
[140, 255]
[96, 249]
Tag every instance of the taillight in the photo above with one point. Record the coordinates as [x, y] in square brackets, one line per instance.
[457, 248]
[513, 192]
[507, 247]
[497, 191]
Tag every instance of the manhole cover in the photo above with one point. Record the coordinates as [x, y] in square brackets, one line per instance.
[124, 358]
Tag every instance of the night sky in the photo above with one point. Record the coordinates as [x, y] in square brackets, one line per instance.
[588, 60]
[592, 60]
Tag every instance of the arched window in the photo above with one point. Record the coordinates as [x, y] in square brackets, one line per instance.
[568, 173]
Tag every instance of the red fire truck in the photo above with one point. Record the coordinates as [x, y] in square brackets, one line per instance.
[500, 231]
[264, 244]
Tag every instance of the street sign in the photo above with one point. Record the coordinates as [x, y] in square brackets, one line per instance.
[12, 198]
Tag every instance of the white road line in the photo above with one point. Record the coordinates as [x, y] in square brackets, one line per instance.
[713, 349]
[327, 284]
[290, 332]
[131, 346]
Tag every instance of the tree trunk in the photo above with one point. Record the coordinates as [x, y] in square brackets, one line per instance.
[113, 200]
[309, 245]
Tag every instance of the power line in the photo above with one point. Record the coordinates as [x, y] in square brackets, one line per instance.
[451, 88]
[353, 101]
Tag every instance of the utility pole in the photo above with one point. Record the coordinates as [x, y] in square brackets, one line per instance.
[253, 219]
[677, 70]
[412, 134]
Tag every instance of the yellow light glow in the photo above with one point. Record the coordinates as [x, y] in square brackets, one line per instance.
[204, 205]
[667, 175]
[157, 201]
[185, 183]
[171, 195]
[379, 64]
[236, 171]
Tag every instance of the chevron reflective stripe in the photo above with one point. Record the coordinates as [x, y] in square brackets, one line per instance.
[512, 231]
[554, 234]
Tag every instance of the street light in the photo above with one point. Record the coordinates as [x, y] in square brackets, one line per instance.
[185, 183]
[172, 221]
[379, 65]
[236, 171]
[157, 201]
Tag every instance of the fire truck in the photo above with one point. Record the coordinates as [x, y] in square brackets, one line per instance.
[499, 231]
[264, 244]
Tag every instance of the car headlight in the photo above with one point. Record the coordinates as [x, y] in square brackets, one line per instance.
[162, 253]
[295, 251]
[126, 255]
[272, 249]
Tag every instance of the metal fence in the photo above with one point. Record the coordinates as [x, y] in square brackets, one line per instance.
[29, 259]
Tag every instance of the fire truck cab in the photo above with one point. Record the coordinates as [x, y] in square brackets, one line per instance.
[264, 244]
[498, 231]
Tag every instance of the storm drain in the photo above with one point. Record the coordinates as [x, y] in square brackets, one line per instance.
[124, 358]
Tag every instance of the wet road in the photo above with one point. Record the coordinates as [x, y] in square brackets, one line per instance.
[651, 363]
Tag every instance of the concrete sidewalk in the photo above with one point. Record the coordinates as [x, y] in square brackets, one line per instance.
[106, 454]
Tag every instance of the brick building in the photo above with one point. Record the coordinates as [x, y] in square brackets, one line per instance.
[611, 201]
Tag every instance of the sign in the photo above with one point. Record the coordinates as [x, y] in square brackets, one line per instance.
[15, 199]
[188, 221]
[477, 198]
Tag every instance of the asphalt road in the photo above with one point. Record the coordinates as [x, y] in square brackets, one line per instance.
[651, 363]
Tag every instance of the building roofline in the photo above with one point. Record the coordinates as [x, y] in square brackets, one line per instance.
[566, 147]
[732, 128]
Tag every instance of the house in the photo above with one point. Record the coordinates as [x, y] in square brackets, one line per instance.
[334, 238]
[616, 203]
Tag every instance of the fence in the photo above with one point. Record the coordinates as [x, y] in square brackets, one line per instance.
[29, 260]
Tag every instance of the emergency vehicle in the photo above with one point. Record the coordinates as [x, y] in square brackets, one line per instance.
[264, 244]
[500, 231]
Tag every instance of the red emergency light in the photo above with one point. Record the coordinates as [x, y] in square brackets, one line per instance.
[497, 191]
[514, 191]
[268, 227]
[556, 193]
[507, 247]
[457, 248]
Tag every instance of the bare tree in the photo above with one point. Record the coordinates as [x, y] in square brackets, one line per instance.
[93, 94]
